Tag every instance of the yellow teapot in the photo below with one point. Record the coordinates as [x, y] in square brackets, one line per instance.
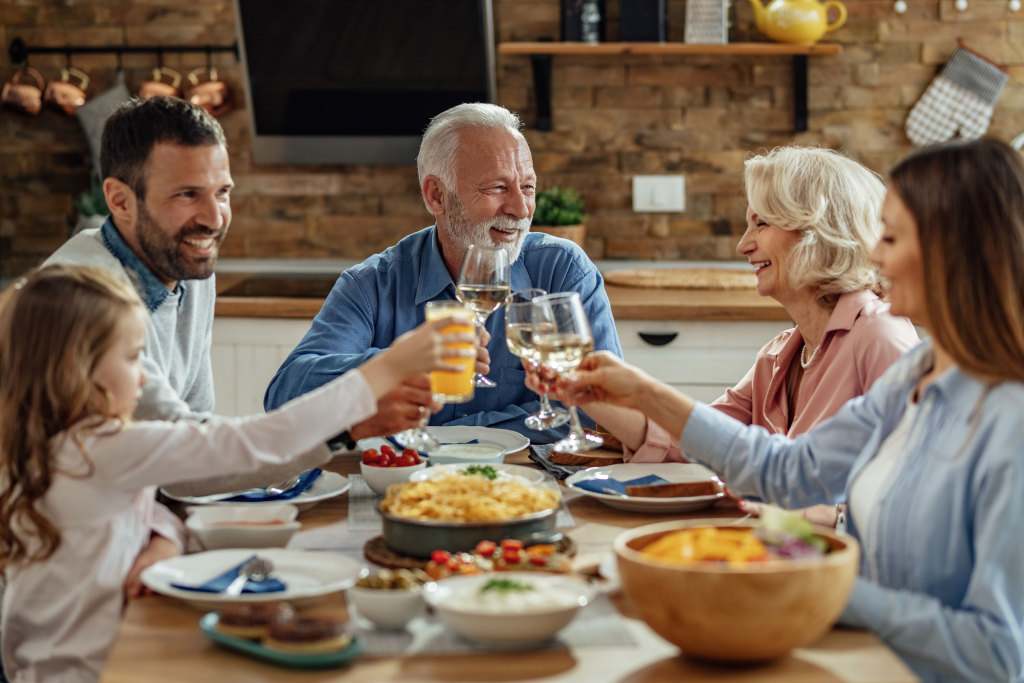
[802, 22]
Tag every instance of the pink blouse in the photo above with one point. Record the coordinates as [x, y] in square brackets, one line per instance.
[861, 341]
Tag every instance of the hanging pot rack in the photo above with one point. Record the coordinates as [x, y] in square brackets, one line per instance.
[19, 51]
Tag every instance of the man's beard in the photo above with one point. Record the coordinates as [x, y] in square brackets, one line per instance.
[164, 251]
[462, 234]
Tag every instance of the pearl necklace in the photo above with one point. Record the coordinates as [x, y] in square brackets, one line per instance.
[803, 350]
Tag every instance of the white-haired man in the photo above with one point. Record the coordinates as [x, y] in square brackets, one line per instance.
[477, 179]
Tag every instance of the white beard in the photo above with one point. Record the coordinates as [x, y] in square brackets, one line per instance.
[462, 234]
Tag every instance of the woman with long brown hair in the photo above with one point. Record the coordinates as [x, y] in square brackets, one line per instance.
[76, 472]
[931, 458]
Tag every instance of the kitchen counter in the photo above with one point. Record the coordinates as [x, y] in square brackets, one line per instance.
[270, 294]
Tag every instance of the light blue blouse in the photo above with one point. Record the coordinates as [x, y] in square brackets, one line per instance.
[944, 586]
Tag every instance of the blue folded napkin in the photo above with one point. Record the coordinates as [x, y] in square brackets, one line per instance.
[400, 447]
[221, 583]
[305, 481]
[599, 485]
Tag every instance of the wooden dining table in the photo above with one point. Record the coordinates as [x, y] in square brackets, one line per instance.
[159, 640]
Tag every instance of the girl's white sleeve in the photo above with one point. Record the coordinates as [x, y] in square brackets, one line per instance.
[161, 453]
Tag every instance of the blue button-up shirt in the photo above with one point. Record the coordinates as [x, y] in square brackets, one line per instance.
[942, 580]
[385, 296]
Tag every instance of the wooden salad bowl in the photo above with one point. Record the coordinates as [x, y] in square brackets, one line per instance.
[751, 613]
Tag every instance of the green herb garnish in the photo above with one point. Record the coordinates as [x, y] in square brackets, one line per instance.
[505, 586]
[485, 471]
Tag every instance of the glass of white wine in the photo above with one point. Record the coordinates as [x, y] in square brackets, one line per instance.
[561, 337]
[519, 331]
[483, 286]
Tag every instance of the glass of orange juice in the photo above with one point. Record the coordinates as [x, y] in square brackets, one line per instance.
[447, 387]
[453, 387]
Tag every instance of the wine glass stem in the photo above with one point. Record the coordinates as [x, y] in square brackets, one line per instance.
[545, 404]
[574, 422]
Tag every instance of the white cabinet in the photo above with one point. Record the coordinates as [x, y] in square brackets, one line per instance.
[702, 359]
[245, 355]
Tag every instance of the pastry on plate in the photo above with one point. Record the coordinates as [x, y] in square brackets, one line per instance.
[307, 635]
[251, 620]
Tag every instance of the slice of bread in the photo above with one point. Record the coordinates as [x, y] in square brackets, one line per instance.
[687, 489]
[596, 458]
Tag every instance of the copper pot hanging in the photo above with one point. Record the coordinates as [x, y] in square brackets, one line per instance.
[159, 87]
[213, 95]
[65, 95]
[26, 98]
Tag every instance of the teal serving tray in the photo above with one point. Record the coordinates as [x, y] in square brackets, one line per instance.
[321, 660]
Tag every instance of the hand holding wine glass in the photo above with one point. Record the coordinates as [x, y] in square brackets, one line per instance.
[603, 377]
[561, 338]
[484, 284]
[519, 337]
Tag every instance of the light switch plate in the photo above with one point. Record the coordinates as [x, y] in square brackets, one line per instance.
[663, 193]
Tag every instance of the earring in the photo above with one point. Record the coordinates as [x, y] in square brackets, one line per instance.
[1014, 5]
[900, 6]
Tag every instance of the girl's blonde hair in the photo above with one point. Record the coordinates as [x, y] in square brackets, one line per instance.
[55, 325]
[835, 202]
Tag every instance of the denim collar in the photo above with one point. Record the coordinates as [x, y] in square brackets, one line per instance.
[434, 275]
[953, 386]
[435, 278]
[152, 291]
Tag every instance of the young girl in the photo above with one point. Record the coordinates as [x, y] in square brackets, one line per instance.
[74, 470]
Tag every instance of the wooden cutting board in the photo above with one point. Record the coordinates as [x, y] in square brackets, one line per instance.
[682, 278]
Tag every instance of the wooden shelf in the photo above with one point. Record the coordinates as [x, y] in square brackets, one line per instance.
[781, 49]
[541, 53]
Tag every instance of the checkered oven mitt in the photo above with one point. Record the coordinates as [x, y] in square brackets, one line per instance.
[961, 98]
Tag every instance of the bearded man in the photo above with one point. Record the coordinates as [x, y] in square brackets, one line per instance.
[477, 179]
[167, 182]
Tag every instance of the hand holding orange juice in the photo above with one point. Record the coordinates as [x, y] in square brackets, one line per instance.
[453, 387]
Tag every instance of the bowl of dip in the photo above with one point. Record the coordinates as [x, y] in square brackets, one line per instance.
[463, 453]
[243, 525]
[508, 608]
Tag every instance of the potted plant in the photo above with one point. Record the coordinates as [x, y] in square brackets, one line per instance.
[92, 206]
[560, 213]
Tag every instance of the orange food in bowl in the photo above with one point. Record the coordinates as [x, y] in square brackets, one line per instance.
[732, 611]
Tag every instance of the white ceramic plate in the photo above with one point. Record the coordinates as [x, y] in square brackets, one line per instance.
[531, 475]
[673, 472]
[327, 485]
[509, 440]
[308, 575]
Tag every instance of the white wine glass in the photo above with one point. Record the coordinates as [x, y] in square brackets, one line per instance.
[561, 337]
[483, 285]
[519, 337]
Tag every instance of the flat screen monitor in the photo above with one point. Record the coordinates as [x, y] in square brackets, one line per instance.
[357, 81]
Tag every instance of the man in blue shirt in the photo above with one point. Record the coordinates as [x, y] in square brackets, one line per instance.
[477, 179]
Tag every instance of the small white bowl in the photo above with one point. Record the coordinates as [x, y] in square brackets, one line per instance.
[388, 608]
[467, 454]
[507, 627]
[380, 478]
[270, 525]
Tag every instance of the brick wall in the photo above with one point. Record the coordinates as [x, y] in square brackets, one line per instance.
[613, 117]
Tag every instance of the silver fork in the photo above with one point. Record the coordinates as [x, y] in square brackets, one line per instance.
[257, 569]
[277, 489]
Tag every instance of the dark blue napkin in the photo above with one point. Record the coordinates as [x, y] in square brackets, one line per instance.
[400, 447]
[599, 485]
[305, 481]
[221, 583]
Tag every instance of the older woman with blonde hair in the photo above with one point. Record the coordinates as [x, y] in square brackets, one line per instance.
[813, 217]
